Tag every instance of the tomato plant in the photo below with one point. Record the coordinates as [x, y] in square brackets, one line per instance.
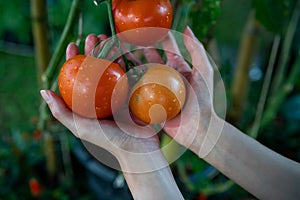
[158, 96]
[92, 87]
[142, 22]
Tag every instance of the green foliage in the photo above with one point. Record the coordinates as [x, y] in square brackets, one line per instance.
[274, 14]
[201, 16]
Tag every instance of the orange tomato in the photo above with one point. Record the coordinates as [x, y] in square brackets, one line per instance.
[158, 96]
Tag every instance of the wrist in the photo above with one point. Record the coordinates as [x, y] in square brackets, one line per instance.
[148, 175]
[132, 162]
[207, 140]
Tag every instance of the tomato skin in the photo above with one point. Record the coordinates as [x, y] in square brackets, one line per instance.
[158, 96]
[92, 87]
[142, 22]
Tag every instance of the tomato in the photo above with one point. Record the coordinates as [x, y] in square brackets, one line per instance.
[92, 87]
[158, 96]
[142, 22]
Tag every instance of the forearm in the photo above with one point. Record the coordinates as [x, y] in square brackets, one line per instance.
[262, 172]
[150, 179]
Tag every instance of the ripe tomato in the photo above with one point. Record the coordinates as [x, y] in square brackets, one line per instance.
[158, 96]
[92, 87]
[142, 22]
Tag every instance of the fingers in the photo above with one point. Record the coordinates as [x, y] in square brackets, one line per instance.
[102, 37]
[129, 55]
[59, 110]
[83, 128]
[152, 55]
[202, 74]
[174, 57]
[72, 50]
[170, 46]
[90, 42]
[198, 54]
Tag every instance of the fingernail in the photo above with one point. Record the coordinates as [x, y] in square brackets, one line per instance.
[190, 32]
[45, 95]
[70, 45]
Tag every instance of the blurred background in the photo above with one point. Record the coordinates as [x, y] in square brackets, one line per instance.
[255, 44]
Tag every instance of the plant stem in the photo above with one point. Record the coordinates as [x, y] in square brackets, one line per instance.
[287, 44]
[49, 75]
[218, 188]
[80, 29]
[110, 17]
[280, 89]
[265, 88]
[282, 92]
[109, 44]
[63, 41]
[210, 189]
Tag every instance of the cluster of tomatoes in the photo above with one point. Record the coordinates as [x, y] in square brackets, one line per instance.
[97, 88]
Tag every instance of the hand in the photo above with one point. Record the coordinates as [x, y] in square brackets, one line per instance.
[136, 154]
[104, 133]
[197, 118]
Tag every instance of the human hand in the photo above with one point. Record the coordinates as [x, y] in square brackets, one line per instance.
[126, 142]
[198, 126]
[136, 147]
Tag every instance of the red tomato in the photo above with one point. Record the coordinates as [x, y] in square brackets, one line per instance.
[92, 87]
[142, 22]
[158, 96]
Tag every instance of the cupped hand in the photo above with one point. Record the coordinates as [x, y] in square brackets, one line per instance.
[197, 116]
[121, 139]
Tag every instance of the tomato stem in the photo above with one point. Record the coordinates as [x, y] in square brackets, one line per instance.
[108, 45]
[110, 17]
[53, 65]
[128, 63]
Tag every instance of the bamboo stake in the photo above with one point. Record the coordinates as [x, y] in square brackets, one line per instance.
[42, 55]
[40, 36]
[46, 70]
[240, 83]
